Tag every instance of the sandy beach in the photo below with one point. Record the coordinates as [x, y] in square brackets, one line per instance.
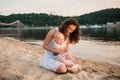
[20, 60]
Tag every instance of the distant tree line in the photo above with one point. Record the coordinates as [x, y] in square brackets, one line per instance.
[42, 19]
[100, 17]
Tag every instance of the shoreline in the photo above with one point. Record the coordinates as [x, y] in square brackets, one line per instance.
[92, 50]
[97, 51]
[21, 61]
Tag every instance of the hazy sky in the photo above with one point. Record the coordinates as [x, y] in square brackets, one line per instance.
[59, 7]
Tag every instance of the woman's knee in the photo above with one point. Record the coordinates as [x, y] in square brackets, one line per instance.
[74, 70]
[62, 69]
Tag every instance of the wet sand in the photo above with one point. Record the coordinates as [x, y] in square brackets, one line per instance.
[98, 51]
[20, 61]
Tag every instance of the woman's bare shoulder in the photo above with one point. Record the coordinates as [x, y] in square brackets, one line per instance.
[50, 34]
[52, 31]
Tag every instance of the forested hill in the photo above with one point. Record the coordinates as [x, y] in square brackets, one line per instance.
[101, 17]
[42, 19]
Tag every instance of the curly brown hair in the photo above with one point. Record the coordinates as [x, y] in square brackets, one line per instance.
[74, 37]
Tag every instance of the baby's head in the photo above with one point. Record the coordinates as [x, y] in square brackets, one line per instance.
[59, 38]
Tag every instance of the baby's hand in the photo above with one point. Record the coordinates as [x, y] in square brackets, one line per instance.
[66, 49]
[59, 51]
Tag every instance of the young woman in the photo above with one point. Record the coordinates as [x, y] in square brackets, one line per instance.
[71, 32]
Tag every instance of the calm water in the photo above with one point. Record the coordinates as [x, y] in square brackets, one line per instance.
[105, 33]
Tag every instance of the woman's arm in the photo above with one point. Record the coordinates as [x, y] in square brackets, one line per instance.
[67, 47]
[47, 40]
[73, 59]
[70, 56]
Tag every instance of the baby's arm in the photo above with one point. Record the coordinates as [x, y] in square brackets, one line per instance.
[57, 48]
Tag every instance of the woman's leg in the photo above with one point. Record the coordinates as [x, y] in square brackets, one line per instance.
[74, 69]
[62, 69]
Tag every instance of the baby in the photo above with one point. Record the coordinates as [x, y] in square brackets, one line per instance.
[66, 58]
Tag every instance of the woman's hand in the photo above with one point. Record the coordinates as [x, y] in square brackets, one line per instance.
[59, 51]
[66, 49]
[77, 62]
